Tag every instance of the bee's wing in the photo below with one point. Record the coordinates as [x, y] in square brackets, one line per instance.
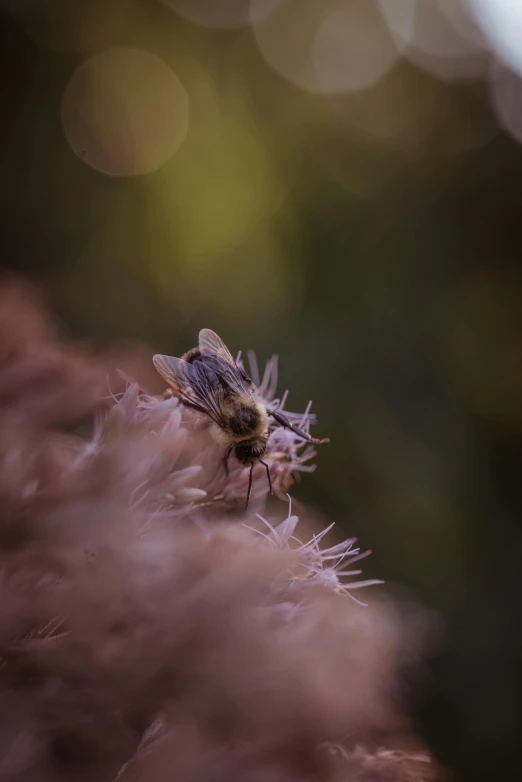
[212, 345]
[219, 359]
[194, 382]
[174, 371]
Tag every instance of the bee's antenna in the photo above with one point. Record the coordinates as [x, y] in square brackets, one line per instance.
[281, 419]
[249, 485]
[268, 475]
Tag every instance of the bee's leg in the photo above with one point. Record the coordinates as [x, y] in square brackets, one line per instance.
[268, 475]
[225, 458]
[249, 485]
[295, 429]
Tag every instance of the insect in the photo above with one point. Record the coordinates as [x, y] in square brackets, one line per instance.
[208, 379]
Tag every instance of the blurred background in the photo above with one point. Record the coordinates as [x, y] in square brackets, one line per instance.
[340, 182]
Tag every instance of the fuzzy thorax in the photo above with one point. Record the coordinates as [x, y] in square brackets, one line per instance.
[244, 420]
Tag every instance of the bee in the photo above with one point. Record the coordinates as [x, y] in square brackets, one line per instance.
[208, 379]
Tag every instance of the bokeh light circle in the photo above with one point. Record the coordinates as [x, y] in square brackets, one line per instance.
[463, 20]
[125, 112]
[440, 37]
[330, 47]
[501, 21]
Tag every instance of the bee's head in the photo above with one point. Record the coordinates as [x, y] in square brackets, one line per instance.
[249, 451]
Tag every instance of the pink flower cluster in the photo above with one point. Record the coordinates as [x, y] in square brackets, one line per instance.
[147, 631]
